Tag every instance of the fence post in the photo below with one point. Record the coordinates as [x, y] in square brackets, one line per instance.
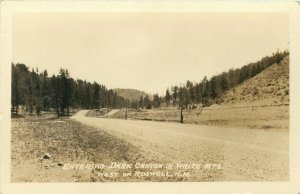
[181, 115]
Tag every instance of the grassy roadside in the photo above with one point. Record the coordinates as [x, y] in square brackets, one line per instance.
[254, 117]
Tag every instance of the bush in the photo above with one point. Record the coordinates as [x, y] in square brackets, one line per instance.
[254, 91]
[207, 104]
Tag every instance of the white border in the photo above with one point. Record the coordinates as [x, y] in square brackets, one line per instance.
[10, 7]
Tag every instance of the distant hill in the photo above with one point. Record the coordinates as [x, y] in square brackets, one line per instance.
[131, 94]
[270, 87]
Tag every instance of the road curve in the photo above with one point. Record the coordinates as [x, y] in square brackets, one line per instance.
[245, 154]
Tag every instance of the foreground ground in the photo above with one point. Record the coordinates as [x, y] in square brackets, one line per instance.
[41, 148]
[245, 154]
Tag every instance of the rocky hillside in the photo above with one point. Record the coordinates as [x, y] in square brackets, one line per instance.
[131, 94]
[270, 87]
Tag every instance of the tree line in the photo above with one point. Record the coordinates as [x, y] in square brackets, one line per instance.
[39, 92]
[36, 92]
[207, 91]
[146, 102]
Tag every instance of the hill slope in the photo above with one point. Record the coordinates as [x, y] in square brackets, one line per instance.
[131, 94]
[261, 102]
[270, 87]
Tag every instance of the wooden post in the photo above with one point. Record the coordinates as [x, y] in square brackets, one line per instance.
[125, 113]
[181, 115]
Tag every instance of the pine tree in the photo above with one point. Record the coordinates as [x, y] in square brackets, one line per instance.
[168, 97]
[147, 102]
[66, 90]
[55, 93]
[45, 91]
[141, 102]
[96, 95]
[15, 84]
[175, 94]
[156, 101]
[38, 101]
[198, 93]
[212, 88]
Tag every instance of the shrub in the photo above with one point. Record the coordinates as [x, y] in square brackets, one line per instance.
[254, 91]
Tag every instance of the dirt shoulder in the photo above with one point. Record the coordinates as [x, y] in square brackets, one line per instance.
[41, 148]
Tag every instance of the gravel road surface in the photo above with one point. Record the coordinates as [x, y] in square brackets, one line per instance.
[244, 154]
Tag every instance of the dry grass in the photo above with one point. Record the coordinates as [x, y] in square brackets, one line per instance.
[270, 87]
[260, 117]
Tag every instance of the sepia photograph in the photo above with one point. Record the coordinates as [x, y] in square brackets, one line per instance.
[142, 96]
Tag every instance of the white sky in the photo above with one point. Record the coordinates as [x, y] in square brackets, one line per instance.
[146, 51]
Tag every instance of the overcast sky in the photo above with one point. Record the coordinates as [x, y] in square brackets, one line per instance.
[146, 51]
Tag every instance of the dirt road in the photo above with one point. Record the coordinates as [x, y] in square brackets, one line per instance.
[112, 112]
[244, 154]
